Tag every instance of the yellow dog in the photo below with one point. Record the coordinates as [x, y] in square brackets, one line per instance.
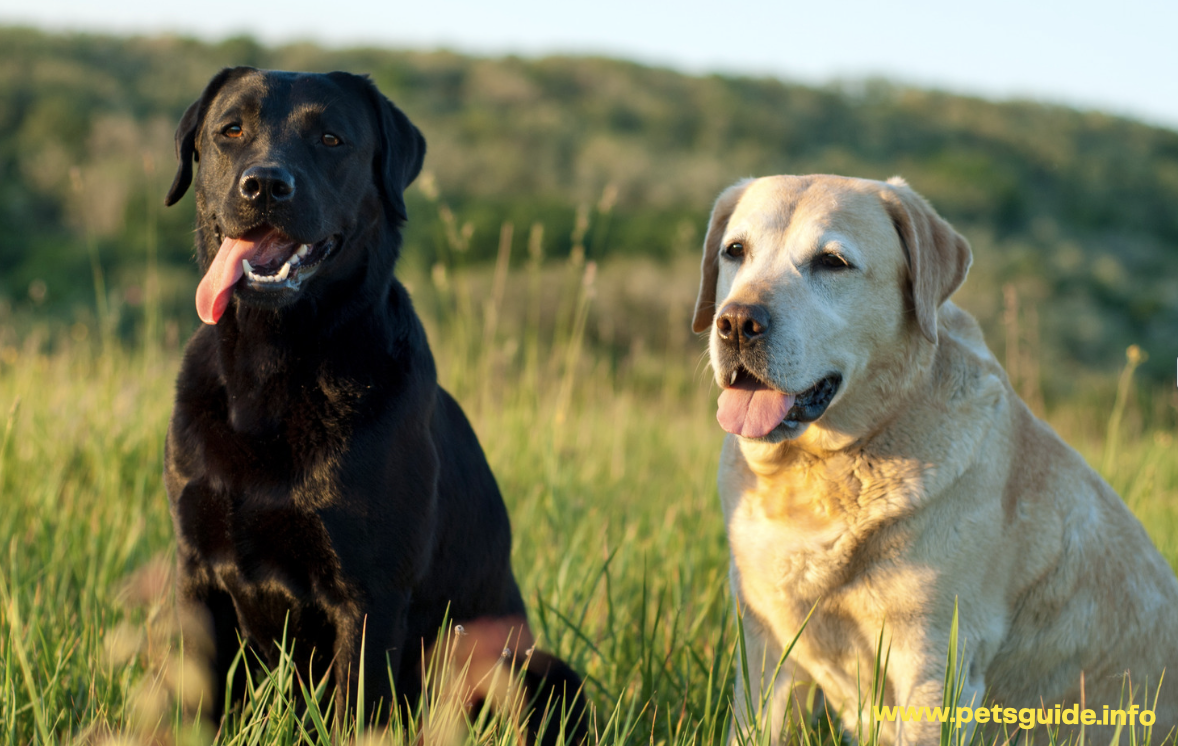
[880, 469]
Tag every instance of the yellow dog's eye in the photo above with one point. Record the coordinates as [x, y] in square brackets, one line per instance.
[233, 130]
[734, 250]
[830, 260]
[331, 140]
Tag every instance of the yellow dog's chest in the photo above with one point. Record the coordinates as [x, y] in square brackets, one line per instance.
[778, 557]
[805, 536]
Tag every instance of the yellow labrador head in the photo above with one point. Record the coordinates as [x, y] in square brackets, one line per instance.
[821, 295]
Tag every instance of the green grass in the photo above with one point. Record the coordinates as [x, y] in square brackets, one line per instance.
[606, 459]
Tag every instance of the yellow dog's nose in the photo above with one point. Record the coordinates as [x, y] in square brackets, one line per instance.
[741, 324]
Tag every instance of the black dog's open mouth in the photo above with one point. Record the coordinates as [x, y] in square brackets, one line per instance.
[281, 261]
[271, 258]
[264, 260]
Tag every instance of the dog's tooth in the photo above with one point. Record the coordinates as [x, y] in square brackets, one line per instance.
[732, 381]
[282, 273]
[247, 267]
[302, 252]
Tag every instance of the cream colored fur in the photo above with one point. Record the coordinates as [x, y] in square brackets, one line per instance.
[927, 480]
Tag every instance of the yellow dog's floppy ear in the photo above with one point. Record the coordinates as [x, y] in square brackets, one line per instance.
[938, 256]
[705, 304]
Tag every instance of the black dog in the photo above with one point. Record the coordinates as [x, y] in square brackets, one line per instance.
[320, 480]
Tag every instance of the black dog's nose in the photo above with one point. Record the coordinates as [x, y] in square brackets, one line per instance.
[742, 323]
[268, 183]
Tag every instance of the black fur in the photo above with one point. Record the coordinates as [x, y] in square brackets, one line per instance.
[319, 477]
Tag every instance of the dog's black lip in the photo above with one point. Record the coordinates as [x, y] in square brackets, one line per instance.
[239, 232]
[812, 403]
[743, 373]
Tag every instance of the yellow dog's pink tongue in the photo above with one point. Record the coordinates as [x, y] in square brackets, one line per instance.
[750, 409]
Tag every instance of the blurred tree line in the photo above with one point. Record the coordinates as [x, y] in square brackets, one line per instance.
[1072, 214]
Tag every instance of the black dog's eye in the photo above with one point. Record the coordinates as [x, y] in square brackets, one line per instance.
[830, 260]
[734, 250]
[331, 140]
[233, 130]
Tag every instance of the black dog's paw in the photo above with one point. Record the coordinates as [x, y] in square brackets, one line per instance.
[556, 693]
[493, 662]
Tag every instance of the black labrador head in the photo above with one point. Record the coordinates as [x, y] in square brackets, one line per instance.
[301, 176]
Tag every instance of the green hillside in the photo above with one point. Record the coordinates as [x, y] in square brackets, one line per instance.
[1076, 210]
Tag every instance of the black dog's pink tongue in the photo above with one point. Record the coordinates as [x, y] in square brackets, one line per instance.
[212, 295]
[751, 409]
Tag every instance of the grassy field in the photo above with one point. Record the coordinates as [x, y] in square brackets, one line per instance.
[605, 447]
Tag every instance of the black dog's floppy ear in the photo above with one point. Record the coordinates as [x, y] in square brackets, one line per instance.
[190, 123]
[400, 149]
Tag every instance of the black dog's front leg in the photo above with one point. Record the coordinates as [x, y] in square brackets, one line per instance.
[370, 638]
[212, 637]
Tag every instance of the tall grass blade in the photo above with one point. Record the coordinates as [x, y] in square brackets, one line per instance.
[1134, 356]
[15, 637]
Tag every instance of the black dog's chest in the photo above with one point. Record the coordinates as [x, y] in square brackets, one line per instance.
[258, 545]
[256, 501]
[281, 441]
[267, 483]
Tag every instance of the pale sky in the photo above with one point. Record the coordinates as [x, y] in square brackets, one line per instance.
[1120, 57]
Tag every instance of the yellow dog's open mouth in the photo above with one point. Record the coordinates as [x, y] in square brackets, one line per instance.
[752, 409]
